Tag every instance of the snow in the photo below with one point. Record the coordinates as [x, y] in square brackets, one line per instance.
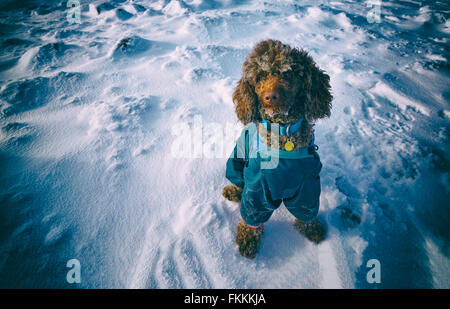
[91, 169]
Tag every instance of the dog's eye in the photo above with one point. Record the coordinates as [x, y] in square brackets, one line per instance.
[287, 74]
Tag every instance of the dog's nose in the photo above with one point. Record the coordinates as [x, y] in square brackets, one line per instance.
[271, 97]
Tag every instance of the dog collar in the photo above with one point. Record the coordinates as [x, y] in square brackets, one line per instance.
[285, 130]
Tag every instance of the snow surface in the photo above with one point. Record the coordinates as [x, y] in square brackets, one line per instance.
[88, 114]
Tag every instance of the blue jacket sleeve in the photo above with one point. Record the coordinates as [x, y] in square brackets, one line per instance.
[239, 159]
[235, 169]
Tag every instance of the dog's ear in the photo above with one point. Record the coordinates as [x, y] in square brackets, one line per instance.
[246, 102]
[314, 96]
[320, 97]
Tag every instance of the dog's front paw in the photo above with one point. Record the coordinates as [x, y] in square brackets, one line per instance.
[232, 193]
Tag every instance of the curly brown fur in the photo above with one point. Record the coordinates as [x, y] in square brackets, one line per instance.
[232, 193]
[300, 138]
[248, 239]
[314, 231]
[302, 88]
[246, 102]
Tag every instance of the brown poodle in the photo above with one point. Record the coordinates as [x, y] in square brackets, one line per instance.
[281, 85]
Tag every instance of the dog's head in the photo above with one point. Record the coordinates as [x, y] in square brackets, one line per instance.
[281, 84]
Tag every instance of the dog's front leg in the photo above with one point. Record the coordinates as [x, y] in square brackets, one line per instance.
[232, 193]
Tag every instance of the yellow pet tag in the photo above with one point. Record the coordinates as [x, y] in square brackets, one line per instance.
[289, 146]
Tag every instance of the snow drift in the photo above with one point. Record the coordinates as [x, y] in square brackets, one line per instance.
[87, 112]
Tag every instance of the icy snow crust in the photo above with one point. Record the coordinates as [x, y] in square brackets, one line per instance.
[86, 118]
